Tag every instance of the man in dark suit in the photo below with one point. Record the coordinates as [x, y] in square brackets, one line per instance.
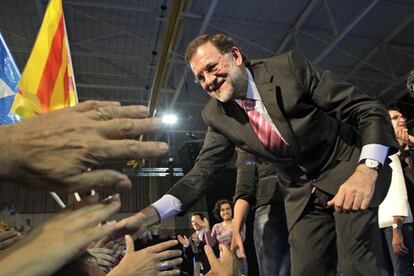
[331, 143]
[195, 257]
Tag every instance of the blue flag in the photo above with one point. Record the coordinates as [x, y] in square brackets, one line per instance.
[9, 79]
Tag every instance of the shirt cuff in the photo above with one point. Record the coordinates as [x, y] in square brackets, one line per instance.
[167, 206]
[374, 151]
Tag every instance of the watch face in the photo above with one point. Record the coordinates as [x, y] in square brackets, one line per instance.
[371, 163]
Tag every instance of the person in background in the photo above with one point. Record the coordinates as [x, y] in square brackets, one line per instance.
[194, 248]
[222, 232]
[396, 221]
[257, 187]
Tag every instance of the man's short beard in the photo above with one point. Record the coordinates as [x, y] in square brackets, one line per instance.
[235, 79]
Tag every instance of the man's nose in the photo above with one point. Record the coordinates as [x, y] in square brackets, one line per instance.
[210, 81]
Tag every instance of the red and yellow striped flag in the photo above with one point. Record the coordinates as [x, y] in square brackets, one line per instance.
[47, 82]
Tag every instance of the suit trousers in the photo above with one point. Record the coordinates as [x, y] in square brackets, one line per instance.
[271, 239]
[321, 237]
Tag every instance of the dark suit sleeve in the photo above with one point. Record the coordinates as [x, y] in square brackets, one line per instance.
[246, 177]
[340, 99]
[214, 156]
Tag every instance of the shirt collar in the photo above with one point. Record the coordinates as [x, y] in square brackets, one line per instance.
[252, 92]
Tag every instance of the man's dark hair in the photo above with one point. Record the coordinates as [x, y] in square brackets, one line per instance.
[217, 207]
[222, 42]
[198, 214]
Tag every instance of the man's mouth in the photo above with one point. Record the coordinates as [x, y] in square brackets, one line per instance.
[217, 85]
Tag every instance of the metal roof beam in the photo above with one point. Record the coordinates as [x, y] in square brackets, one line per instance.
[386, 40]
[345, 32]
[394, 84]
[349, 54]
[309, 8]
[168, 43]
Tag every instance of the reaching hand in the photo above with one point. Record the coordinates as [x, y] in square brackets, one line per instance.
[8, 238]
[153, 260]
[237, 246]
[402, 136]
[104, 257]
[398, 242]
[205, 224]
[227, 265]
[51, 245]
[138, 223]
[356, 192]
[79, 139]
[183, 240]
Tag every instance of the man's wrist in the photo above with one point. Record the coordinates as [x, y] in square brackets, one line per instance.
[151, 215]
[365, 169]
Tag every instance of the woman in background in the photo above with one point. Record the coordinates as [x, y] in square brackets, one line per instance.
[222, 232]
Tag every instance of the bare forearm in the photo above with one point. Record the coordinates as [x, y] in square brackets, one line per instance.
[241, 209]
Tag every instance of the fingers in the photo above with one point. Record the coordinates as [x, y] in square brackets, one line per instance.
[337, 202]
[404, 249]
[170, 263]
[92, 105]
[357, 205]
[6, 243]
[98, 179]
[224, 249]
[210, 255]
[109, 112]
[127, 128]
[162, 246]
[8, 235]
[84, 237]
[120, 150]
[105, 242]
[129, 242]
[168, 254]
[170, 272]
[91, 215]
[240, 252]
[104, 262]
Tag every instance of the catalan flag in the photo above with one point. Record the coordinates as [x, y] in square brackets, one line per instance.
[47, 82]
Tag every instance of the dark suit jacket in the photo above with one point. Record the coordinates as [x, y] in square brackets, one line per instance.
[323, 119]
[257, 180]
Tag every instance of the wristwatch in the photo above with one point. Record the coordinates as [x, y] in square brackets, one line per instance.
[396, 226]
[371, 163]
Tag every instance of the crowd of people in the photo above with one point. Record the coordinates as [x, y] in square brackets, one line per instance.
[327, 170]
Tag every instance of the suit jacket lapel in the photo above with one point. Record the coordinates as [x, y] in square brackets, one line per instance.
[271, 94]
[237, 122]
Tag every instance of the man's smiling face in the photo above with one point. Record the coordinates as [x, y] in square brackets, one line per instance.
[220, 75]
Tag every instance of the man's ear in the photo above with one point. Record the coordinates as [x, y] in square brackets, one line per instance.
[237, 55]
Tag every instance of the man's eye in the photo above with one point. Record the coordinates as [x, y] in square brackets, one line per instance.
[200, 78]
[212, 68]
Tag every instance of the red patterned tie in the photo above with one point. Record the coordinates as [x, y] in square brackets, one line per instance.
[265, 131]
